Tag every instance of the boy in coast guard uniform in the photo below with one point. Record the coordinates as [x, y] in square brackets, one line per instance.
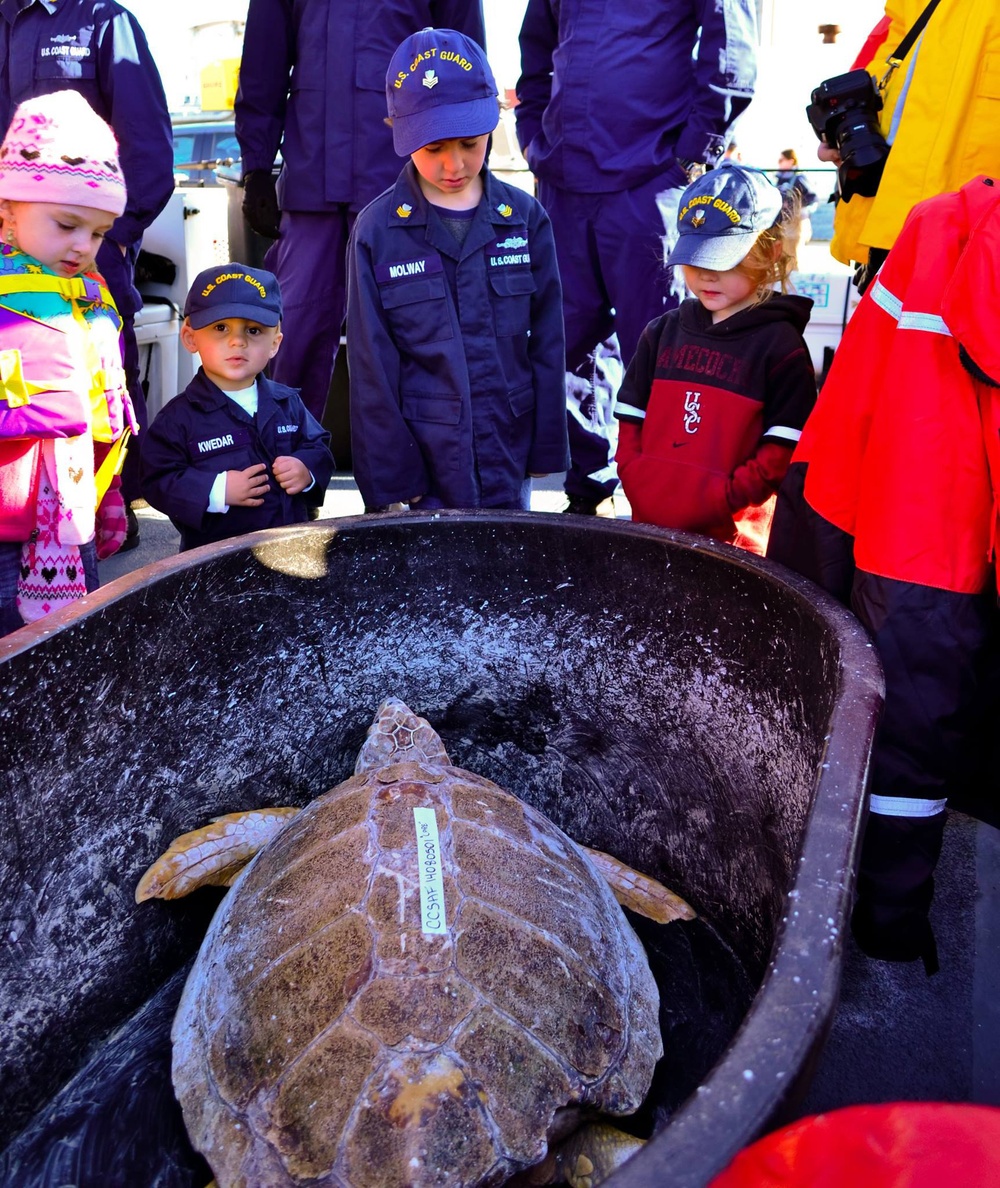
[454, 316]
[234, 452]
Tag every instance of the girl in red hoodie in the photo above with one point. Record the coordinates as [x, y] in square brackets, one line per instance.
[714, 401]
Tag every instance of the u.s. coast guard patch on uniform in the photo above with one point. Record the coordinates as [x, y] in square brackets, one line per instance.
[509, 252]
[403, 269]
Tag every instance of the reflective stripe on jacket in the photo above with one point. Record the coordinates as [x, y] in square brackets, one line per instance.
[889, 503]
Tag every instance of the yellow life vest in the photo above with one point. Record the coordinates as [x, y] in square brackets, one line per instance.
[78, 293]
[103, 368]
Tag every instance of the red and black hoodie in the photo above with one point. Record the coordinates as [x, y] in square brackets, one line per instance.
[710, 413]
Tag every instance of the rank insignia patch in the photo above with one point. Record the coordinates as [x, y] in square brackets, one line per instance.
[404, 210]
[505, 209]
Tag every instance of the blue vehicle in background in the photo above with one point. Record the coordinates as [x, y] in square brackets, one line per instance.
[203, 142]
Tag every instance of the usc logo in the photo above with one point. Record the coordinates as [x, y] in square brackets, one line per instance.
[692, 411]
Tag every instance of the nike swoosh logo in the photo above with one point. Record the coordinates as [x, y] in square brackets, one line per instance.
[678, 444]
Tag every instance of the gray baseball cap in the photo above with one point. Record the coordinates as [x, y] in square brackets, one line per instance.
[721, 214]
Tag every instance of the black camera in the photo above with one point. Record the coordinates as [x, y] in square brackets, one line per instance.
[844, 113]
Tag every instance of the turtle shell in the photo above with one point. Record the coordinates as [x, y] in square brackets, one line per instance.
[329, 1035]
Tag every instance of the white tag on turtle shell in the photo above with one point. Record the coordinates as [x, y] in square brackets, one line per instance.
[429, 866]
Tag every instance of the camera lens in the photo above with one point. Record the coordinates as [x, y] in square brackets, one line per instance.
[863, 152]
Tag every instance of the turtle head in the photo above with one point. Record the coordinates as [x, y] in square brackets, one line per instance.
[398, 736]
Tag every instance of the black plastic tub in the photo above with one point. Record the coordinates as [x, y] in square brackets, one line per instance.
[701, 714]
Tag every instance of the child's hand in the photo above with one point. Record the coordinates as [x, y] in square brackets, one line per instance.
[247, 488]
[292, 474]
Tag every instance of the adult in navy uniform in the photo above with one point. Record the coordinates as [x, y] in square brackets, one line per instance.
[312, 82]
[98, 48]
[621, 103]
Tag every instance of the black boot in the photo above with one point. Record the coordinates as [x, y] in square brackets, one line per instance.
[131, 540]
[895, 888]
[584, 505]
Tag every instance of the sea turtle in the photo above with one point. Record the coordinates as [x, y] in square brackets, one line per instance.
[419, 980]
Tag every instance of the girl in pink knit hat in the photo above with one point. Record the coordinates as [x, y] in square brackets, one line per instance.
[64, 406]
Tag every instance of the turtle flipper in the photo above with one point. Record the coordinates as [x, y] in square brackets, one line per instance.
[583, 1160]
[213, 855]
[593, 1152]
[639, 892]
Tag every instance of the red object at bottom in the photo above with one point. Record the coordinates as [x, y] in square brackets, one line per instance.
[901, 1145]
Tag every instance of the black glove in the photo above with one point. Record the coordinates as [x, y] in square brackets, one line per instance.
[260, 202]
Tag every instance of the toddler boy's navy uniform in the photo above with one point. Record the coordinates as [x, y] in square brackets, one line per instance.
[202, 432]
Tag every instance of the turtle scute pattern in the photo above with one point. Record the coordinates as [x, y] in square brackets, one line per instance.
[324, 1039]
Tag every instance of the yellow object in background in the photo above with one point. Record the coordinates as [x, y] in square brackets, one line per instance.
[219, 81]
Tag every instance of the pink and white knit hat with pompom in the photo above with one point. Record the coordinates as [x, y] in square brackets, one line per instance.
[58, 149]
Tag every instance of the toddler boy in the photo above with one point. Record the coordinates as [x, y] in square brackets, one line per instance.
[234, 452]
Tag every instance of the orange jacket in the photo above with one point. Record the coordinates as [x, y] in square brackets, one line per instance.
[898, 447]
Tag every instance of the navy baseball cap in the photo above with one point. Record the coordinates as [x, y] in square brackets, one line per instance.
[721, 214]
[439, 86]
[233, 291]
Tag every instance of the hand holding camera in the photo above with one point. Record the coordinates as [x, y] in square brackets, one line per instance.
[844, 115]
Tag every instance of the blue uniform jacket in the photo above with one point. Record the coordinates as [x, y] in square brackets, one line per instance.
[202, 432]
[95, 47]
[610, 92]
[457, 351]
[312, 80]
